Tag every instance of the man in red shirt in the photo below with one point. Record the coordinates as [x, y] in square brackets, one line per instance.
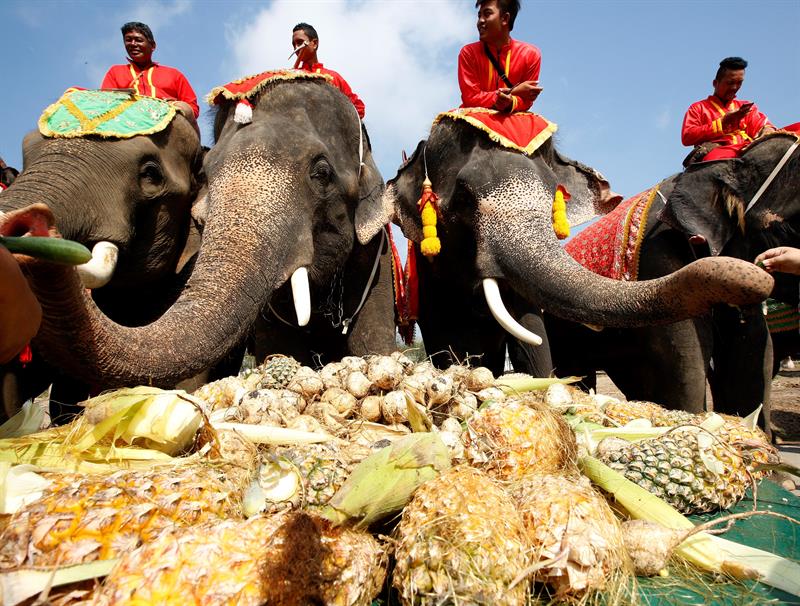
[143, 75]
[305, 42]
[722, 122]
[498, 72]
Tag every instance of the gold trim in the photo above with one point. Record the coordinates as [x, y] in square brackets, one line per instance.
[87, 125]
[297, 74]
[642, 229]
[150, 82]
[534, 144]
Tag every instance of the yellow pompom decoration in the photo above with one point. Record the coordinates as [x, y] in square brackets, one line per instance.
[560, 221]
[429, 211]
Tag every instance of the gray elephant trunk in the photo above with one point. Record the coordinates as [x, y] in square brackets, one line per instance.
[240, 263]
[525, 251]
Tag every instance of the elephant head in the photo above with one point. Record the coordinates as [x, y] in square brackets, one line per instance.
[133, 193]
[496, 209]
[280, 189]
[709, 204]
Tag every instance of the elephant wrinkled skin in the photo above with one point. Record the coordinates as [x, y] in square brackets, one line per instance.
[282, 194]
[496, 223]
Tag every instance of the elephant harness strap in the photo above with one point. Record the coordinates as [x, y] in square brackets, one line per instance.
[773, 174]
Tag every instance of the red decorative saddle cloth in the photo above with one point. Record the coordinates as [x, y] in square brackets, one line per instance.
[522, 131]
[250, 85]
[610, 247]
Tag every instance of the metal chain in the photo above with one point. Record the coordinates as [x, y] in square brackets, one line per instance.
[333, 308]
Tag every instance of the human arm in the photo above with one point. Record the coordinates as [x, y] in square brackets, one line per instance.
[698, 127]
[528, 89]
[757, 124]
[472, 95]
[20, 313]
[784, 259]
[110, 80]
[186, 93]
[343, 86]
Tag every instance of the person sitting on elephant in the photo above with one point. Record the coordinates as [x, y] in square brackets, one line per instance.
[498, 72]
[721, 125]
[20, 313]
[145, 76]
[305, 43]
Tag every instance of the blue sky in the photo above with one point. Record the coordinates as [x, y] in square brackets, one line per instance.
[617, 75]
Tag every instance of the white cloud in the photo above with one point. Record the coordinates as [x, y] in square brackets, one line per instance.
[157, 15]
[664, 119]
[399, 56]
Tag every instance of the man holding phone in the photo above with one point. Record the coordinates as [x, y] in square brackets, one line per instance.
[498, 72]
[721, 125]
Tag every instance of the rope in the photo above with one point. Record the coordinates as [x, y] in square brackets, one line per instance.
[346, 323]
[360, 144]
[773, 174]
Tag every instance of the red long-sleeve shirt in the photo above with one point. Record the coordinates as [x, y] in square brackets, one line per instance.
[339, 83]
[479, 80]
[156, 80]
[703, 123]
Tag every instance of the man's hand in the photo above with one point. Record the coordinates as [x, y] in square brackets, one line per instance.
[20, 312]
[527, 91]
[504, 101]
[730, 121]
[783, 258]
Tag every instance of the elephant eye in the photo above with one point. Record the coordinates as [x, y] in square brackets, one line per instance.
[322, 171]
[151, 172]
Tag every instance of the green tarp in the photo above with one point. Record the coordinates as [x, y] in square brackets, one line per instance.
[763, 532]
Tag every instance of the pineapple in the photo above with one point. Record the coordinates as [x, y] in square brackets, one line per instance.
[519, 436]
[573, 526]
[621, 413]
[276, 371]
[289, 558]
[751, 442]
[222, 393]
[82, 518]
[305, 476]
[692, 470]
[460, 541]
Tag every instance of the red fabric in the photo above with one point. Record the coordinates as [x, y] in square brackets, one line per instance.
[795, 128]
[610, 247]
[479, 81]
[339, 83]
[703, 123]
[3, 187]
[25, 356]
[411, 278]
[521, 128]
[168, 83]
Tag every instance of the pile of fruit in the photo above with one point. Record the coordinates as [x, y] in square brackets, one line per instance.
[372, 478]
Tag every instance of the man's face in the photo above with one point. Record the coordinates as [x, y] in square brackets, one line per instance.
[298, 39]
[139, 48]
[492, 24]
[728, 84]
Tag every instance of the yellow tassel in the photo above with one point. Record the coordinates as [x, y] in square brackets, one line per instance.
[560, 221]
[430, 245]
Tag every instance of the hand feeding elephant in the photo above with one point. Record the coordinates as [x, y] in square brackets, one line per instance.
[495, 207]
[130, 199]
[282, 194]
[705, 215]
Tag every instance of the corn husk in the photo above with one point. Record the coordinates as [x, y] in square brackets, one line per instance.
[27, 421]
[383, 483]
[19, 585]
[708, 552]
[520, 383]
[19, 485]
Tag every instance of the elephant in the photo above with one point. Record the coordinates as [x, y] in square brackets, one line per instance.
[128, 198]
[495, 225]
[704, 215]
[283, 191]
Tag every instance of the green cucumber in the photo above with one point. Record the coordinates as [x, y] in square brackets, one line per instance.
[56, 250]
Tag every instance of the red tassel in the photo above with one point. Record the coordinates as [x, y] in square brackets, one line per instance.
[26, 355]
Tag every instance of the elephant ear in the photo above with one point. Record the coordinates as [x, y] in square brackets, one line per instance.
[590, 192]
[390, 206]
[706, 201]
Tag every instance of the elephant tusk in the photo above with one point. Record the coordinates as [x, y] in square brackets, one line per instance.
[492, 293]
[98, 271]
[301, 295]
